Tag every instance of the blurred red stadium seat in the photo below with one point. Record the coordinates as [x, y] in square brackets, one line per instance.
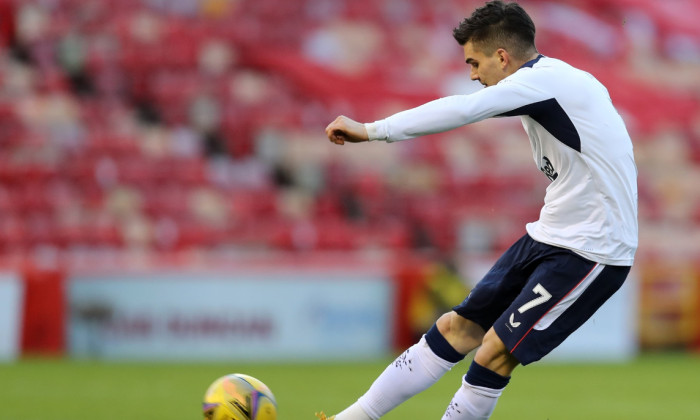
[149, 55]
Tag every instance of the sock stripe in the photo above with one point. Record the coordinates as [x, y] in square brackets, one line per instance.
[478, 375]
[441, 347]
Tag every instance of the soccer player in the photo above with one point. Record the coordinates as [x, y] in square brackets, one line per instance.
[579, 252]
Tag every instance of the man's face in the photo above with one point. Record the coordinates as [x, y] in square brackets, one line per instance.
[488, 70]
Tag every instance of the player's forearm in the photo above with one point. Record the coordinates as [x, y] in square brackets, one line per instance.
[434, 117]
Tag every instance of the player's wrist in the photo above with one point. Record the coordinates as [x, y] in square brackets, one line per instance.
[375, 131]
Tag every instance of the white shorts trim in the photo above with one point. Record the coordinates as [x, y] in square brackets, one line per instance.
[569, 299]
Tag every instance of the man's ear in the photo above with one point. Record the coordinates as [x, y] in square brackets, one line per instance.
[503, 57]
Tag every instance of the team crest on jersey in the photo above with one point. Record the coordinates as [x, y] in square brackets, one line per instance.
[548, 169]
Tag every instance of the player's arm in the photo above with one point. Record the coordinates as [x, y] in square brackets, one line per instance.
[437, 116]
[451, 112]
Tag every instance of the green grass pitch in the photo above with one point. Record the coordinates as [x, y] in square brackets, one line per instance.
[651, 387]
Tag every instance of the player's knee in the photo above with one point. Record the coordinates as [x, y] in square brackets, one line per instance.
[463, 334]
[449, 324]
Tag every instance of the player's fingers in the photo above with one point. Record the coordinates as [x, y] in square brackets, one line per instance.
[331, 128]
[336, 131]
[336, 123]
[333, 135]
[338, 137]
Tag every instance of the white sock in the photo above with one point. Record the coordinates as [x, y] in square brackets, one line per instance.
[472, 403]
[412, 372]
[354, 412]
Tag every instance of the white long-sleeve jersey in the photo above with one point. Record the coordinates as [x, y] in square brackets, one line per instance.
[578, 140]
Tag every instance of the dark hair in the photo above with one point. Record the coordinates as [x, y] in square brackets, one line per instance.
[498, 25]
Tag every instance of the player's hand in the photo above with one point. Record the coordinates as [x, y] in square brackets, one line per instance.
[344, 129]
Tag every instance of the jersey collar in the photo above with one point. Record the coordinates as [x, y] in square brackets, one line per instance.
[532, 62]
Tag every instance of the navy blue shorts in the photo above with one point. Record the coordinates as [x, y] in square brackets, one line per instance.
[536, 295]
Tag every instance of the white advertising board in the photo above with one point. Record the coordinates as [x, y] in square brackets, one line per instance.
[11, 298]
[243, 316]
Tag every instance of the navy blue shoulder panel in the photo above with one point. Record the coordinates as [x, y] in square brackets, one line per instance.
[550, 115]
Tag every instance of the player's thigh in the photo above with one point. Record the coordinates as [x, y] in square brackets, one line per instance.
[561, 294]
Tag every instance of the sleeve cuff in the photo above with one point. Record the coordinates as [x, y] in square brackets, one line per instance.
[377, 131]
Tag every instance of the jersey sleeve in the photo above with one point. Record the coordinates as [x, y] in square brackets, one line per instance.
[454, 111]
